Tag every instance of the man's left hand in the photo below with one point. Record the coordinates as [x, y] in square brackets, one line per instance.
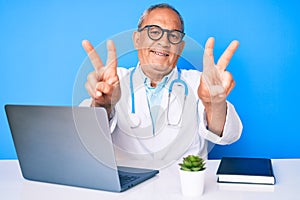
[215, 85]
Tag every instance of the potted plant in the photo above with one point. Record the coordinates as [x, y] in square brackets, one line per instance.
[192, 175]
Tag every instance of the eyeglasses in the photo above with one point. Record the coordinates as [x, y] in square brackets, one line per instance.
[156, 33]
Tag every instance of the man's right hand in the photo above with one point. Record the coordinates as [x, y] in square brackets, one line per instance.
[103, 84]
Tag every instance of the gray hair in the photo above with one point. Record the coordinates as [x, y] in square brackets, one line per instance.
[162, 5]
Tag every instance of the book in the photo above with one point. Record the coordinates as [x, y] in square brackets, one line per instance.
[246, 170]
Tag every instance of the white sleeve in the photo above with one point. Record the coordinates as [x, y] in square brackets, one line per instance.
[113, 120]
[232, 129]
[112, 117]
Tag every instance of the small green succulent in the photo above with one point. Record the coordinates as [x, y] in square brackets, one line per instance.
[192, 163]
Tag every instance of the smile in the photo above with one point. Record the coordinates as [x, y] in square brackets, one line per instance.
[159, 53]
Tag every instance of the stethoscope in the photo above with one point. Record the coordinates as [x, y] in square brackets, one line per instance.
[135, 119]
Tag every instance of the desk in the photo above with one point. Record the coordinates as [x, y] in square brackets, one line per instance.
[164, 186]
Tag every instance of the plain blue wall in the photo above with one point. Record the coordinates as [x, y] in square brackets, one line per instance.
[41, 55]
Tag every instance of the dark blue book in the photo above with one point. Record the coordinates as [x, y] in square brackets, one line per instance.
[246, 170]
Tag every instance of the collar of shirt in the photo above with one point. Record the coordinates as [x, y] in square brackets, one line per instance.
[160, 85]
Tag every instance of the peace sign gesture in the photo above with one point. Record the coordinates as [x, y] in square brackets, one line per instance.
[103, 83]
[215, 84]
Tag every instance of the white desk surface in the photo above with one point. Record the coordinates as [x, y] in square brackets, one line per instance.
[165, 186]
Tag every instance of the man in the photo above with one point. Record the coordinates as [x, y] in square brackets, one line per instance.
[148, 120]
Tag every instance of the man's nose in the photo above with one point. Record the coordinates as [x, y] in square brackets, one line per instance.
[164, 41]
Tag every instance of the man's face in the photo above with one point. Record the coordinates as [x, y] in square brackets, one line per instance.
[158, 57]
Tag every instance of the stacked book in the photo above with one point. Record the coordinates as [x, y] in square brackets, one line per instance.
[246, 170]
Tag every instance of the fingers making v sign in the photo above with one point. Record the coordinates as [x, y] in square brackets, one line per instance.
[216, 83]
[103, 83]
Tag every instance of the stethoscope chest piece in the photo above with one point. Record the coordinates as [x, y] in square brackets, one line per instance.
[134, 120]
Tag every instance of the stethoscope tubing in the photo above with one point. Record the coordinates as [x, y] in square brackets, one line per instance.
[178, 80]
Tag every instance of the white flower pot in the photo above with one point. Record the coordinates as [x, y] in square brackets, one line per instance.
[192, 183]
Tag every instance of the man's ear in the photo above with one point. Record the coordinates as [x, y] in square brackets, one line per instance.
[136, 39]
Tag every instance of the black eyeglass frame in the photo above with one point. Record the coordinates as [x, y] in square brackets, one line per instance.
[163, 32]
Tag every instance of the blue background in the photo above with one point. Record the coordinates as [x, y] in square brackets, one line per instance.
[41, 55]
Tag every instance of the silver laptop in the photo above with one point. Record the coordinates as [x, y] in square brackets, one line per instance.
[69, 146]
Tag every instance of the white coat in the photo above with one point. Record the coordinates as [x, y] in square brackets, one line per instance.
[169, 142]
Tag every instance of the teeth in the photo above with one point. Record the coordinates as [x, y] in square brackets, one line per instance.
[160, 54]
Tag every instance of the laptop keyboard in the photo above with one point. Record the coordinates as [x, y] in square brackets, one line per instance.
[125, 179]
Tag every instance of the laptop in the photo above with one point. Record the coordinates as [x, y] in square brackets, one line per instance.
[69, 146]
